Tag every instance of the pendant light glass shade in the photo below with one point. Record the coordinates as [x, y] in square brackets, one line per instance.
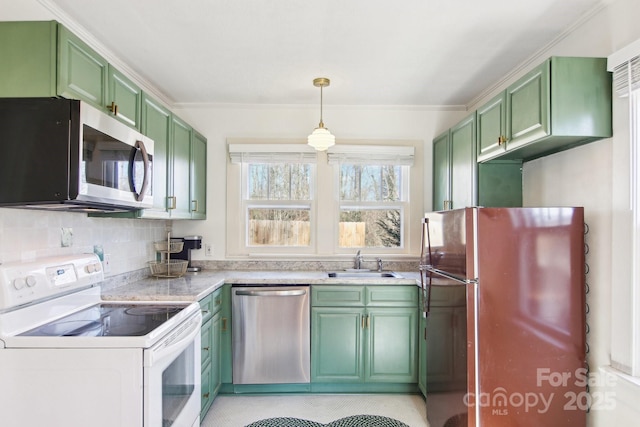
[321, 138]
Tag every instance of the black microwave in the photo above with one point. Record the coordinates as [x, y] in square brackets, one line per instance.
[64, 154]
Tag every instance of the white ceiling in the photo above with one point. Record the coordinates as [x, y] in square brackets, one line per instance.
[376, 52]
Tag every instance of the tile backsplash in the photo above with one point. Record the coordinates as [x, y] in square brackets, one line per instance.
[27, 234]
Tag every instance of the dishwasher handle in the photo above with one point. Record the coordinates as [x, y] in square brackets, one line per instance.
[271, 293]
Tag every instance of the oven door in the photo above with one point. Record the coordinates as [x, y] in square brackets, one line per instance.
[172, 377]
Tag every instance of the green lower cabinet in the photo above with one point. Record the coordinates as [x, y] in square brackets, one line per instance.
[365, 348]
[226, 352]
[392, 352]
[210, 355]
[422, 355]
[445, 349]
[336, 344]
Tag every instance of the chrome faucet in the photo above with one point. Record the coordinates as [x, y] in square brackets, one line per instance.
[379, 261]
[357, 264]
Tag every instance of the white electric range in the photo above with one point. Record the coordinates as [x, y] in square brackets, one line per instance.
[69, 359]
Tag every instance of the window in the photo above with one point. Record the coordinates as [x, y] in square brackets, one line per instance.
[276, 196]
[372, 193]
[288, 199]
[371, 212]
[625, 329]
[278, 204]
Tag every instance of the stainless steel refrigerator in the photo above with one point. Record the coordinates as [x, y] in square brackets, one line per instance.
[524, 273]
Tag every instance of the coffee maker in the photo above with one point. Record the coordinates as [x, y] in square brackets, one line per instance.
[190, 242]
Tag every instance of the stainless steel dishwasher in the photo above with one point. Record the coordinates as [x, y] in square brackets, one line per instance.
[271, 340]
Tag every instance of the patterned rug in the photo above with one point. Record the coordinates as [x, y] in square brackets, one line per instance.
[353, 421]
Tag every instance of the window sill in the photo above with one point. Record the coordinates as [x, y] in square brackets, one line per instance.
[628, 379]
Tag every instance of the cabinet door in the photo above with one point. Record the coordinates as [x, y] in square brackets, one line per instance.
[226, 355]
[180, 200]
[439, 346]
[422, 355]
[441, 172]
[28, 59]
[198, 177]
[156, 124]
[124, 98]
[392, 351]
[205, 391]
[492, 127]
[205, 343]
[528, 107]
[82, 73]
[463, 163]
[216, 323]
[460, 345]
[336, 344]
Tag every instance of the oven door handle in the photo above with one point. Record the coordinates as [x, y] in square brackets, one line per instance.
[175, 342]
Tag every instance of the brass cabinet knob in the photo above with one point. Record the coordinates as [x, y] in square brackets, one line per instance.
[113, 108]
[172, 202]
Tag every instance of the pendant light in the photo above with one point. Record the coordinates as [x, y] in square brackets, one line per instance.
[321, 138]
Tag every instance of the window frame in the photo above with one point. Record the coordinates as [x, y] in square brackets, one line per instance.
[310, 204]
[324, 231]
[402, 205]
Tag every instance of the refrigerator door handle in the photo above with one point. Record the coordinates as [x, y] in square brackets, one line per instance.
[449, 275]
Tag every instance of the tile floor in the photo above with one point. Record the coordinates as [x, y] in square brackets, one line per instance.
[239, 411]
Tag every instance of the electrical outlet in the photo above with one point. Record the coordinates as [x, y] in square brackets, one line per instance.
[208, 250]
[106, 264]
[66, 237]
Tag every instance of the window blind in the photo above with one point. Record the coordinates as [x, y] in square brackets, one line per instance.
[625, 65]
[626, 77]
[368, 154]
[272, 153]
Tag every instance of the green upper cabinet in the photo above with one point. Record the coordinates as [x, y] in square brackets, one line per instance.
[459, 181]
[44, 59]
[179, 164]
[492, 127]
[463, 163]
[528, 105]
[198, 185]
[156, 124]
[124, 98]
[82, 73]
[188, 169]
[441, 171]
[562, 103]
[180, 169]
[454, 166]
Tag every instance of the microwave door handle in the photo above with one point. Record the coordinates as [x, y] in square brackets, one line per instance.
[145, 178]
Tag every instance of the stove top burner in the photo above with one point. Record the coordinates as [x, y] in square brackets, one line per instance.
[119, 320]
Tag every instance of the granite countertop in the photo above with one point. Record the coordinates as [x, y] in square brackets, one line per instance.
[195, 286]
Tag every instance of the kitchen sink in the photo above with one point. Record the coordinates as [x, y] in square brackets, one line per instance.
[353, 274]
